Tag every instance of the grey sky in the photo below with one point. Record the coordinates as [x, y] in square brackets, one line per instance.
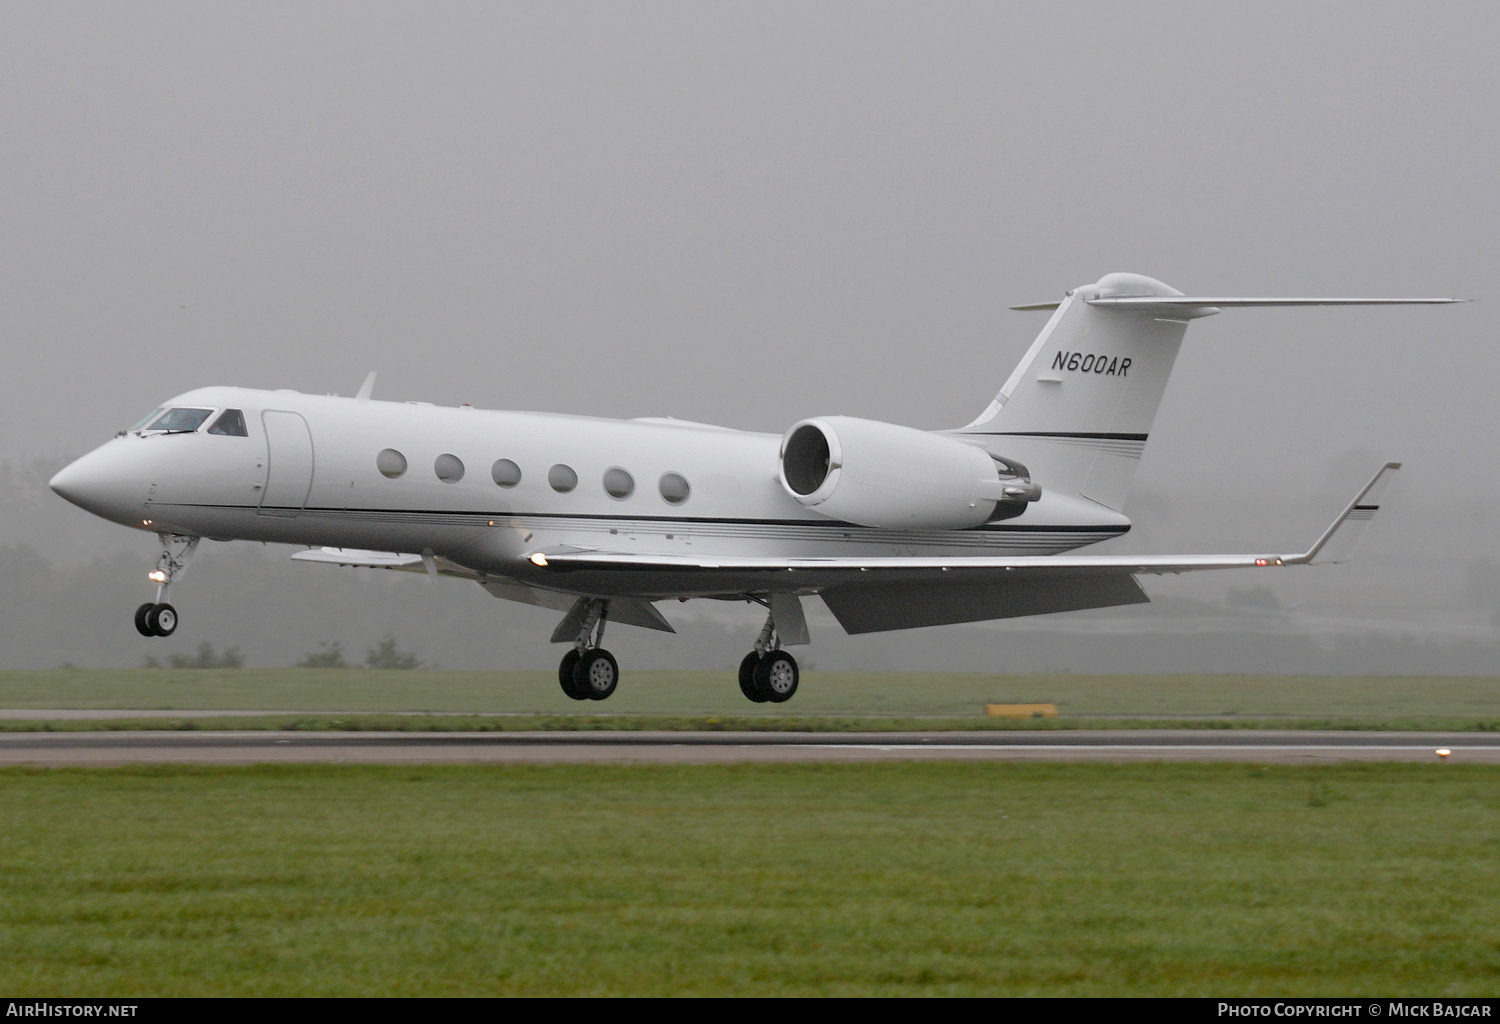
[752, 213]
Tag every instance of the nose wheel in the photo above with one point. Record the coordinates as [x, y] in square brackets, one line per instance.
[158, 618]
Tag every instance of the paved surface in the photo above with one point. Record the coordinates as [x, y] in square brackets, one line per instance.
[109, 714]
[150, 747]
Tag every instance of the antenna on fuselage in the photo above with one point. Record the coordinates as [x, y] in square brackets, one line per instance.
[365, 389]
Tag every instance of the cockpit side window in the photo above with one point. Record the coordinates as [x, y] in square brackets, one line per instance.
[141, 423]
[231, 422]
[180, 419]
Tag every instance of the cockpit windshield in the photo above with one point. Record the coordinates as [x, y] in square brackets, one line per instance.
[180, 419]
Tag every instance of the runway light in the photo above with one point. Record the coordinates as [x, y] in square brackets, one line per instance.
[157, 576]
[539, 559]
[1443, 753]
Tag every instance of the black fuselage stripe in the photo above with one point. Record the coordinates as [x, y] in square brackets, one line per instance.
[831, 524]
[1085, 435]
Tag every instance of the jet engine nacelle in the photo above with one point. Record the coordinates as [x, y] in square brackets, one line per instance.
[880, 474]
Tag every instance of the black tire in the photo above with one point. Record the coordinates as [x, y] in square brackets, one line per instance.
[162, 618]
[597, 674]
[776, 677]
[747, 678]
[140, 619]
[565, 675]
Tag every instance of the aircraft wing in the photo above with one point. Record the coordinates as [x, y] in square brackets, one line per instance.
[1334, 545]
[871, 595]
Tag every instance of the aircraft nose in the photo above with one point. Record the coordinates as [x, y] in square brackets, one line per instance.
[99, 484]
[71, 482]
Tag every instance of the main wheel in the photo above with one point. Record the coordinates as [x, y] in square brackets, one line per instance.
[747, 677]
[596, 674]
[140, 619]
[776, 676]
[565, 675]
[162, 619]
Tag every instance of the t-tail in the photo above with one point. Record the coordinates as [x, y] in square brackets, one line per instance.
[1077, 411]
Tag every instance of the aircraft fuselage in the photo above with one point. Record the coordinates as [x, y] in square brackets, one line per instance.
[309, 471]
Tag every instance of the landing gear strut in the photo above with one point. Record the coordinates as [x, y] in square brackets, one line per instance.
[768, 673]
[158, 618]
[588, 671]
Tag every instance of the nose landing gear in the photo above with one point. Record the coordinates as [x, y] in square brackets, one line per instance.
[588, 671]
[158, 618]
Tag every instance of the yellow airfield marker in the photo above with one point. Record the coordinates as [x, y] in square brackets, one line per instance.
[1021, 710]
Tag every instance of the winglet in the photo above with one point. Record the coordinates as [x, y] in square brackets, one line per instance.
[1358, 512]
[366, 389]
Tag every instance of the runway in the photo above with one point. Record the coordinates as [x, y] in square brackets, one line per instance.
[57, 749]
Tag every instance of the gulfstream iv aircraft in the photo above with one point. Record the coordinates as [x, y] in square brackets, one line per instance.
[601, 519]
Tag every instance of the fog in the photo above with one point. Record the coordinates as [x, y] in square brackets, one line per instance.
[752, 213]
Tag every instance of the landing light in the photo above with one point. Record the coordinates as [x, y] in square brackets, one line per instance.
[1443, 752]
[539, 559]
[157, 576]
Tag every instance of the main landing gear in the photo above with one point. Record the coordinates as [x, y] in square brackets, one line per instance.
[768, 673]
[158, 618]
[588, 671]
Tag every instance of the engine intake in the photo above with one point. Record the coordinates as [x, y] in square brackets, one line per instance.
[883, 475]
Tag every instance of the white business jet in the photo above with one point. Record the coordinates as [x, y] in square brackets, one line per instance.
[892, 527]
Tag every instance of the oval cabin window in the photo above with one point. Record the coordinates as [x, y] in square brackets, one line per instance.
[505, 473]
[562, 478]
[618, 483]
[674, 488]
[391, 463]
[449, 468]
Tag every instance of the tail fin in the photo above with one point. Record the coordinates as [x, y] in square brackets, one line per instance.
[1079, 407]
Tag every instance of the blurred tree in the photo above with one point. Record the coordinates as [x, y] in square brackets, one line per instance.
[331, 656]
[385, 655]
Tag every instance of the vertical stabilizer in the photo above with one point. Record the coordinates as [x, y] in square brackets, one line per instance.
[1078, 409]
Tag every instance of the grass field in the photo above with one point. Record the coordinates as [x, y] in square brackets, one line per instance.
[687, 699]
[754, 879]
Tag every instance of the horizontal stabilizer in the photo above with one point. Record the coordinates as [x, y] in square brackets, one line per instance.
[1156, 302]
[1168, 302]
